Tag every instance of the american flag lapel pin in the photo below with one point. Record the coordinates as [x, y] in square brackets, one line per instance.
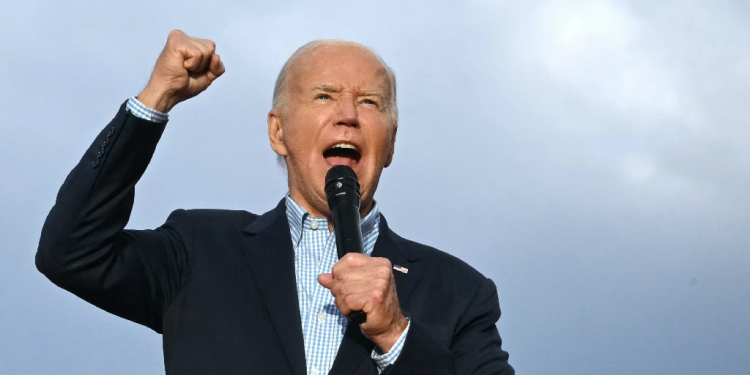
[400, 268]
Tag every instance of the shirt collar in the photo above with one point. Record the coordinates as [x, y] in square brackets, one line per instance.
[300, 220]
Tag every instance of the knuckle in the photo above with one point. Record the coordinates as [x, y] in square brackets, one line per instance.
[342, 275]
[377, 296]
[362, 260]
[384, 272]
[350, 260]
[205, 48]
[193, 49]
[200, 50]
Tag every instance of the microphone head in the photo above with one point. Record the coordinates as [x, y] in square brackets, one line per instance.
[340, 171]
[342, 186]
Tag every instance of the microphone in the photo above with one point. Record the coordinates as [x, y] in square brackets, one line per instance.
[342, 193]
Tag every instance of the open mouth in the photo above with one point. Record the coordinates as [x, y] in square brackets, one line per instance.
[342, 154]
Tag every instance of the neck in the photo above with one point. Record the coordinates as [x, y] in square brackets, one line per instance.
[299, 198]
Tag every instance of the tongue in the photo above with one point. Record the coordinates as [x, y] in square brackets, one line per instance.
[340, 160]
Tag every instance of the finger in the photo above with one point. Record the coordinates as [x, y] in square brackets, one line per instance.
[370, 272]
[208, 45]
[341, 289]
[207, 48]
[349, 261]
[326, 280]
[352, 275]
[199, 58]
[355, 302]
[193, 57]
[198, 83]
[216, 68]
[382, 272]
[349, 303]
[382, 262]
[355, 259]
[373, 303]
[342, 306]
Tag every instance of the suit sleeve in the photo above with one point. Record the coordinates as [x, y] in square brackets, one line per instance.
[84, 247]
[476, 348]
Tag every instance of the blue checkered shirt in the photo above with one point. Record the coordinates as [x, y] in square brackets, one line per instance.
[315, 252]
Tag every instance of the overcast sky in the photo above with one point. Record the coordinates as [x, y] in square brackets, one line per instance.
[591, 157]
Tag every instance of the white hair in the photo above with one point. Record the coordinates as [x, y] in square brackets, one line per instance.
[281, 89]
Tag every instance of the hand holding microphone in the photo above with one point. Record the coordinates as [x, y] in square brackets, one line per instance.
[363, 286]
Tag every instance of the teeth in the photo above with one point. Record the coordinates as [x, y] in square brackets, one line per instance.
[345, 145]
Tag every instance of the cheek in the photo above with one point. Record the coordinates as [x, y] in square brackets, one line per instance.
[382, 144]
[302, 133]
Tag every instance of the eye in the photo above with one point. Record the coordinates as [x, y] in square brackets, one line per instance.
[323, 96]
[370, 102]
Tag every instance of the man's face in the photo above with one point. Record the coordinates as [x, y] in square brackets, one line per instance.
[336, 115]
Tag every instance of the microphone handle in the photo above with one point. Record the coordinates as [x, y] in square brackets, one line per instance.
[348, 240]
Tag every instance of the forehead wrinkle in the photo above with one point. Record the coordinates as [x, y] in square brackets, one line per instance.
[304, 64]
[289, 80]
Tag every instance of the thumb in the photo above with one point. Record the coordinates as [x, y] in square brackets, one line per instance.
[326, 280]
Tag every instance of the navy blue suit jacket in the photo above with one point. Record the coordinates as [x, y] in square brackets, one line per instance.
[219, 285]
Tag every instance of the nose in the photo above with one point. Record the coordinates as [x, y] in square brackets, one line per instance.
[347, 112]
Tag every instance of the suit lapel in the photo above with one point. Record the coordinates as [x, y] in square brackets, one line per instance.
[387, 246]
[268, 249]
[355, 347]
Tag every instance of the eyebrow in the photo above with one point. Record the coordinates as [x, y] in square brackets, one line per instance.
[324, 87]
[328, 88]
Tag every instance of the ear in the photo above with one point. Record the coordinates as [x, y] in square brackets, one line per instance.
[276, 133]
[389, 159]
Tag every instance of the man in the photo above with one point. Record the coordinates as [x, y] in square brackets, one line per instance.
[237, 293]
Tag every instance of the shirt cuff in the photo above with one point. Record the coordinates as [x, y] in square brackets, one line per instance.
[139, 110]
[384, 360]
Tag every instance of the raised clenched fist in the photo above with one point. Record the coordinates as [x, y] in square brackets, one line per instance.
[185, 68]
